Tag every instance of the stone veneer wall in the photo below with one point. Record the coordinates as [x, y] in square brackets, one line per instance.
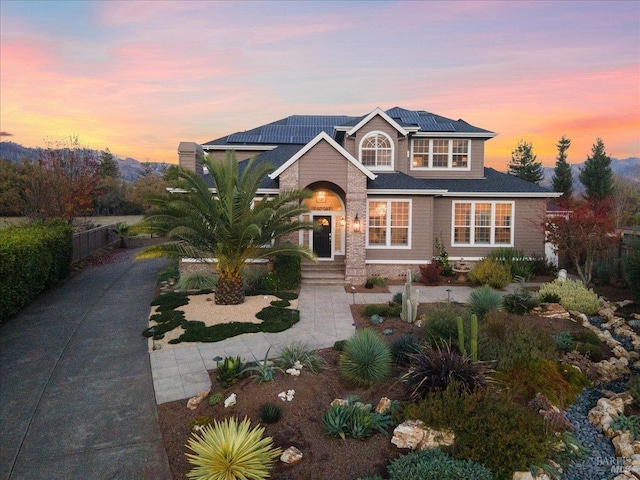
[356, 203]
[289, 181]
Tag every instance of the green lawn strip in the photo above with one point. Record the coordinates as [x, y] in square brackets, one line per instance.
[275, 318]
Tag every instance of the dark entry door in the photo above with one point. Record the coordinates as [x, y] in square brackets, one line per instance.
[322, 236]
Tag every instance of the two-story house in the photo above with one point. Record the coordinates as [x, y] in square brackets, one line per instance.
[387, 184]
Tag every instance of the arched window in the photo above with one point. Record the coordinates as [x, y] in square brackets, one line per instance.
[376, 151]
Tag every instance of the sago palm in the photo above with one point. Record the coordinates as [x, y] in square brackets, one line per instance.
[227, 224]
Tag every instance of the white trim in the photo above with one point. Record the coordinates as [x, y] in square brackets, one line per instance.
[489, 195]
[387, 227]
[331, 142]
[397, 262]
[449, 167]
[456, 134]
[386, 168]
[215, 260]
[387, 118]
[397, 191]
[492, 225]
[239, 147]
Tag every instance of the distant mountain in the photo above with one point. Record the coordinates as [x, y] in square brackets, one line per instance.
[130, 168]
[628, 168]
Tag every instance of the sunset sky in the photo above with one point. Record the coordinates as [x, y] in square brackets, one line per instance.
[139, 77]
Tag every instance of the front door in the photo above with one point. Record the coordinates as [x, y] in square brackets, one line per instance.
[322, 236]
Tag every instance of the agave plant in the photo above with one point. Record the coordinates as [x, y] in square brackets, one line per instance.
[229, 371]
[263, 371]
[229, 450]
[366, 359]
[299, 352]
[482, 300]
[355, 419]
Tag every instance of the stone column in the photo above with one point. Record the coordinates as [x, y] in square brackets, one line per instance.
[189, 154]
[355, 268]
[289, 181]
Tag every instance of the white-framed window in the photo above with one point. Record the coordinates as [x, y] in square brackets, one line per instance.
[388, 223]
[481, 223]
[440, 153]
[376, 151]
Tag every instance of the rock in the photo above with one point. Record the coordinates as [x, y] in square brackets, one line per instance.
[620, 352]
[414, 435]
[193, 402]
[623, 444]
[298, 365]
[383, 406]
[554, 310]
[606, 313]
[528, 476]
[294, 372]
[230, 401]
[291, 455]
[387, 331]
[339, 401]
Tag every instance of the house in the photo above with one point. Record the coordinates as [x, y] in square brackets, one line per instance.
[386, 185]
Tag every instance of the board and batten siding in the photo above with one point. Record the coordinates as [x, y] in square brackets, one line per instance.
[421, 231]
[322, 164]
[528, 235]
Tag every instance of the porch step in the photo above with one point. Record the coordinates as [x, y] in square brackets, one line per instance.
[323, 274]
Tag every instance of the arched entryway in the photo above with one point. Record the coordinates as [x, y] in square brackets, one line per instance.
[327, 212]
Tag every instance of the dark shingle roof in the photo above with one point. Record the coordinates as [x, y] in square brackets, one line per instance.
[493, 182]
[301, 129]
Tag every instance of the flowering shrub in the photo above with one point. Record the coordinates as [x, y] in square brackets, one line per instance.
[573, 295]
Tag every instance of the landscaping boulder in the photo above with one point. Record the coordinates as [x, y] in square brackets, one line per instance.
[230, 401]
[528, 476]
[291, 455]
[384, 405]
[552, 310]
[193, 402]
[414, 435]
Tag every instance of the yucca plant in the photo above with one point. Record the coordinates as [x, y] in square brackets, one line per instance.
[434, 368]
[229, 371]
[300, 352]
[484, 299]
[229, 450]
[366, 359]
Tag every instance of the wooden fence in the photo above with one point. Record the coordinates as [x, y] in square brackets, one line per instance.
[85, 243]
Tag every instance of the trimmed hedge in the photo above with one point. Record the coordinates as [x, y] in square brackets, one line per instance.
[32, 258]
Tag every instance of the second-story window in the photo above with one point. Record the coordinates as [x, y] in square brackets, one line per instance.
[440, 153]
[376, 151]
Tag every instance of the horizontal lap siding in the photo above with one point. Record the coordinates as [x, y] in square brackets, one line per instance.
[421, 232]
[323, 163]
[528, 235]
[377, 123]
[240, 154]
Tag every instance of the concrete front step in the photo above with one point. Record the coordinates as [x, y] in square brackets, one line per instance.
[323, 274]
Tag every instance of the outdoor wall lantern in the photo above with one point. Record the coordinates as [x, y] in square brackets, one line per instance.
[321, 196]
[343, 222]
[356, 224]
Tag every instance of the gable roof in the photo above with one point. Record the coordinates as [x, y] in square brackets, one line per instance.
[320, 137]
[377, 112]
[494, 184]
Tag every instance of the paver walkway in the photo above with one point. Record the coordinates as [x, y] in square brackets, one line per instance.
[76, 394]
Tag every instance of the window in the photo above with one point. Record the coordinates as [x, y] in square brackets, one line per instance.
[376, 151]
[482, 223]
[388, 223]
[438, 153]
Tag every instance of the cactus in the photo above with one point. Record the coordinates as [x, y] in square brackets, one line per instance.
[410, 296]
[474, 337]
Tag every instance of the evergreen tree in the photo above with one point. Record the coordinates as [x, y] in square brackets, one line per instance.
[562, 180]
[523, 163]
[108, 165]
[596, 174]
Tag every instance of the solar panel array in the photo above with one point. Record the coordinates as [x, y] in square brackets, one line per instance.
[424, 120]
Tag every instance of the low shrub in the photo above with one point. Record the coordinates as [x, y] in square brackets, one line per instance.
[270, 413]
[215, 398]
[573, 295]
[541, 266]
[520, 302]
[376, 281]
[434, 464]
[170, 271]
[482, 300]
[286, 273]
[504, 344]
[489, 272]
[442, 259]
[631, 266]
[440, 322]
[384, 310]
[197, 281]
[435, 368]
[515, 260]
[200, 422]
[403, 347]
[232, 451]
[396, 299]
[355, 420]
[627, 424]
[430, 273]
[502, 435]
[560, 383]
[564, 341]
[338, 346]
[299, 352]
[366, 359]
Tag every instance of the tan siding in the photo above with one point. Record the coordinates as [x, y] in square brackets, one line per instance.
[477, 165]
[323, 163]
[377, 123]
[527, 234]
[421, 232]
[240, 154]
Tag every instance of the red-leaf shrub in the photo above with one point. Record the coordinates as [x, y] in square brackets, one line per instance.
[429, 273]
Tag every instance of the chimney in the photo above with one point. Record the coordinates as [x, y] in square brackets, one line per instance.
[189, 154]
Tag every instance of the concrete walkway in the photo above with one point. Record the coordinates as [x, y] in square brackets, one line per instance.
[325, 317]
[76, 394]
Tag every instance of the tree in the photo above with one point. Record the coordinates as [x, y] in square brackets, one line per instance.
[523, 163]
[144, 188]
[562, 180]
[581, 236]
[108, 165]
[62, 182]
[12, 187]
[596, 174]
[625, 202]
[229, 224]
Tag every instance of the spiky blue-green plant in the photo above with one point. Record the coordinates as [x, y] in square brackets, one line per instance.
[366, 359]
[484, 299]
